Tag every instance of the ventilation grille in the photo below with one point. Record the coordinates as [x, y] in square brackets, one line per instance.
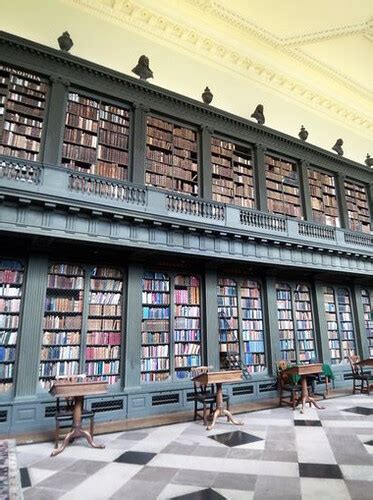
[190, 396]
[3, 416]
[267, 387]
[102, 406]
[50, 411]
[240, 390]
[165, 399]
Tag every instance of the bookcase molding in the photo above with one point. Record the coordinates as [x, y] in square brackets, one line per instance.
[87, 74]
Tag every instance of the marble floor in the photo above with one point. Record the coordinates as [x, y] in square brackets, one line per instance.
[274, 454]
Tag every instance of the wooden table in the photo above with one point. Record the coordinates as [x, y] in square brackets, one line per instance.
[365, 362]
[77, 391]
[219, 378]
[303, 371]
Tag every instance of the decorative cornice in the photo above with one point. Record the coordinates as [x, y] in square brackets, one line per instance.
[272, 138]
[140, 19]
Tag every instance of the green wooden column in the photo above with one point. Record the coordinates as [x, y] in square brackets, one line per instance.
[341, 192]
[358, 313]
[305, 190]
[321, 330]
[260, 178]
[272, 338]
[205, 170]
[133, 327]
[212, 323]
[138, 144]
[55, 120]
[31, 327]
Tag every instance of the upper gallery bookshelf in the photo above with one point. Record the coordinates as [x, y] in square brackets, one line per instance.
[357, 206]
[283, 190]
[23, 97]
[171, 156]
[79, 332]
[340, 325]
[104, 328]
[232, 173]
[96, 137]
[241, 328]
[162, 353]
[295, 322]
[11, 283]
[367, 300]
[324, 203]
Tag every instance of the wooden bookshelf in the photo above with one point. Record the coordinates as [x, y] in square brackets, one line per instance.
[295, 322]
[96, 137]
[332, 325]
[228, 318]
[155, 327]
[357, 206]
[11, 286]
[253, 354]
[346, 323]
[367, 300]
[62, 323]
[324, 203]
[304, 324]
[187, 325]
[171, 156]
[340, 324]
[104, 327]
[23, 98]
[283, 191]
[232, 173]
[285, 322]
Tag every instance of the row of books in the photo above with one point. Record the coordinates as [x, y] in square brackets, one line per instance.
[62, 322]
[156, 285]
[58, 368]
[10, 305]
[10, 276]
[154, 364]
[59, 353]
[65, 282]
[187, 310]
[8, 338]
[186, 349]
[7, 321]
[98, 368]
[6, 373]
[102, 352]
[7, 353]
[99, 309]
[155, 351]
[62, 304]
[253, 346]
[61, 338]
[104, 324]
[155, 312]
[101, 337]
[253, 359]
[155, 298]
[183, 361]
[106, 295]
[155, 338]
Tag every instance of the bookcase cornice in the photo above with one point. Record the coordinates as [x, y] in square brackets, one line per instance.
[17, 50]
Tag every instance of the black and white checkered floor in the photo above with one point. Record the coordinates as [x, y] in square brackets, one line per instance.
[322, 454]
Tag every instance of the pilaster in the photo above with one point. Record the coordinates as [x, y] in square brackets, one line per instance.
[260, 178]
[137, 168]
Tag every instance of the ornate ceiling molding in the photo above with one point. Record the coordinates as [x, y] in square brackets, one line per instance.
[133, 15]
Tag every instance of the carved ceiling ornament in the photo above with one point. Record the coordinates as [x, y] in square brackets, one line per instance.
[151, 24]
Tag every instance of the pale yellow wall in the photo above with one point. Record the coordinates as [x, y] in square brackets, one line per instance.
[119, 48]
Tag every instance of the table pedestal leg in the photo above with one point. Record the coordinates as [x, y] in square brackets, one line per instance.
[306, 398]
[220, 410]
[77, 430]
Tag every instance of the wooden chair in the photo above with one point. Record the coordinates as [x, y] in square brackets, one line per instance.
[360, 379]
[289, 393]
[204, 397]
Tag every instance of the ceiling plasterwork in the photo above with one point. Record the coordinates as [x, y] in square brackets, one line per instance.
[354, 103]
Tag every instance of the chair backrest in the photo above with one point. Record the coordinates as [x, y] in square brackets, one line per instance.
[199, 388]
[356, 369]
[282, 376]
[234, 362]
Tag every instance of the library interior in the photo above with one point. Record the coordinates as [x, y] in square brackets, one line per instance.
[186, 258]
